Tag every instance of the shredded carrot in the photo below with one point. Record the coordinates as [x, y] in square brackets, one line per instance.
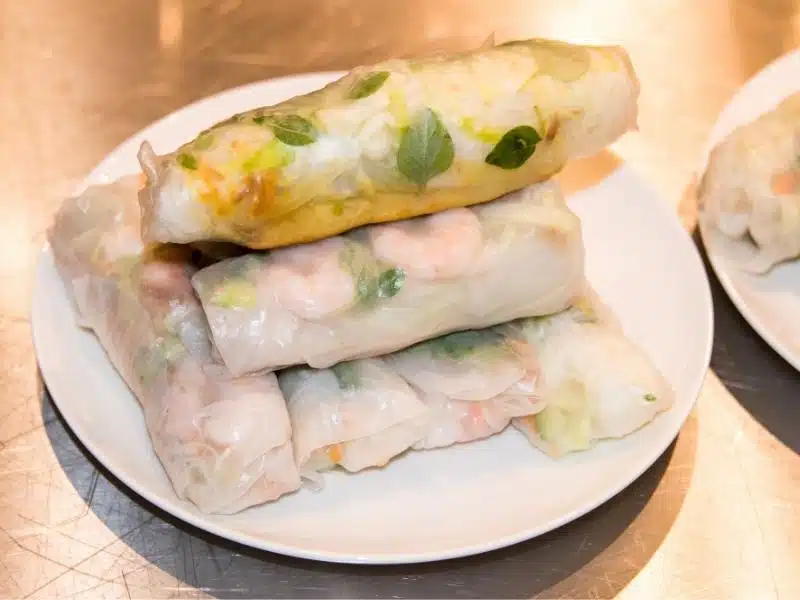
[209, 174]
[785, 183]
[335, 453]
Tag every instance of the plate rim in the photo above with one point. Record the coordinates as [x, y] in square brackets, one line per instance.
[175, 507]
[714, 258]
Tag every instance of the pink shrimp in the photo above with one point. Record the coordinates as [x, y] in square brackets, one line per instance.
[309, 279]
[440, 246]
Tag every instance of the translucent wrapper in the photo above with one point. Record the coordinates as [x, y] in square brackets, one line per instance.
[474, 383]
[355, 415]
[751, 187]
[594, 382]
[385, 287]
[223, 441]
[391, 141]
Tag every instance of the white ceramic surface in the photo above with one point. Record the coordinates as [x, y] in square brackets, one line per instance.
[770, 303]
[436, 505]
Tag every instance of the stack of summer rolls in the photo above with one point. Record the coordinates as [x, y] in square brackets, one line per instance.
[380, 266]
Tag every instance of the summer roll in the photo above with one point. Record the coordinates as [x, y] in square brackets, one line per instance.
[380, 288]
[594, 382]
[473, 383]
[355, 415]
[224, 442]
[391, 141]
[751, 187]
[566, 380]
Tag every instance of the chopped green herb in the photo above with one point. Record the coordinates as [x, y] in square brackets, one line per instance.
[649, 398]
[371, 282]
[236, 293]
[259, 120]
[514, 148]
[347, 375]
[368, 85]
[151, 361]
[271, 155]
[147, 366]
[187, 161]
[459, 345]
[366, 288]
[390, 282]
[204, 142]
[293, 130]
[426, 148]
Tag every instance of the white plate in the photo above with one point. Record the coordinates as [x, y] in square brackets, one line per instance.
[770, 303]
[431, 506]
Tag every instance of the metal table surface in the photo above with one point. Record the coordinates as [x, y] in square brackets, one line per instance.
[716, 517]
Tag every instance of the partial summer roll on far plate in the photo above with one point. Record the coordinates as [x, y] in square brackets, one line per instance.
[380, 268]
[749, 195]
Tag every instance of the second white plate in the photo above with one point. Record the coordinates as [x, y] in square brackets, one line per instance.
[770, 303]
[426, 506]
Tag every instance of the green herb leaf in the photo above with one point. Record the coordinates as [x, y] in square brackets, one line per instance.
[514, 148]
[459, 345]
[204, 141]
[366, 287]
[390, 282]
[187, 161]
[649, 398]
[368, 85]
[357, 260]
[259, 120]
[151, 361]
[293, 130]
[373, 282]
[347, 375]
[426, 148]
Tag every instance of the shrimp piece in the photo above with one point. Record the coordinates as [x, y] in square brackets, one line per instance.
[309, 280]
[473, 421]
[165, 280]
[440, 246]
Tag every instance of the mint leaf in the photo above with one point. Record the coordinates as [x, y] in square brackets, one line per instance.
[390, 282]
[426, 148]
[514, 148]
[368, 85]
[347, 376]
[292, 130]
[187, 161]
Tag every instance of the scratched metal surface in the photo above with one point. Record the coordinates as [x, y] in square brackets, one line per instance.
[716, 517]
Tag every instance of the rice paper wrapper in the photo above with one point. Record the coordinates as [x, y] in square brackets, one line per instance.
[224, 441]
[386, 287]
